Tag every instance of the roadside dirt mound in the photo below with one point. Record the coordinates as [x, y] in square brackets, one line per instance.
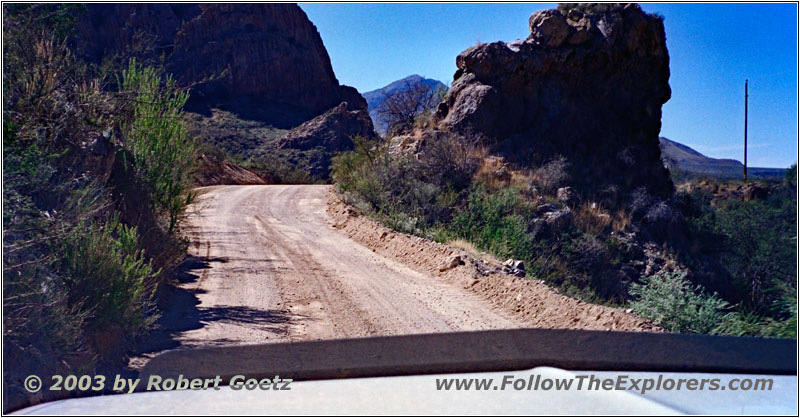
[528, 300]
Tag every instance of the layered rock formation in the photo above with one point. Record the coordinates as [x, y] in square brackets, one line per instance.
[266, 62]
[588, 87]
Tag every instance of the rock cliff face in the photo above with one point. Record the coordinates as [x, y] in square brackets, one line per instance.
[588, 87]
[269, 59]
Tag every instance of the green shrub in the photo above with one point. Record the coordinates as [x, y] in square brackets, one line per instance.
[673, 303]
[40, 327]
[76, 281]
[760, 247]
[781, 324]
[786, 311]
[276, 169]
[399, 189]
[156, 135]
[107, 276]
[495, 222]
[754, 243]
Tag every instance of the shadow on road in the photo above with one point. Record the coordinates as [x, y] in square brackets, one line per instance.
[181, 312]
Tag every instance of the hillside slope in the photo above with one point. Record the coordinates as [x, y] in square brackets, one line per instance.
[689, 162]
[255, 71]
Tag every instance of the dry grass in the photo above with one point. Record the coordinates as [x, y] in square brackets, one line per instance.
[464, 245]
[495, 174]
[621, 220]
[472, 250]
[521, 178]
[592, 219]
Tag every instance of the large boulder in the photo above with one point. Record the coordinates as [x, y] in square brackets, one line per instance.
[585, 86]
[548, 27]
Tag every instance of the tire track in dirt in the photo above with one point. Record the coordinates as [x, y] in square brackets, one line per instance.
[271, 267]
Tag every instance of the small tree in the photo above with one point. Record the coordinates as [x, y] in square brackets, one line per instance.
[402, 108]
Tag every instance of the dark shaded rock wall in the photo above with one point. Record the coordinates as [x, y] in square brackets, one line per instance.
[275, 66]
[586, 87]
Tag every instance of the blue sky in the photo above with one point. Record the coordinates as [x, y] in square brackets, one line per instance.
[713, 48]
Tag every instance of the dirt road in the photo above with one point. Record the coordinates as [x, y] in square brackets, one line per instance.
[270, 267]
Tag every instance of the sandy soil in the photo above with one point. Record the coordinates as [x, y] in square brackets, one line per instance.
[288, 263]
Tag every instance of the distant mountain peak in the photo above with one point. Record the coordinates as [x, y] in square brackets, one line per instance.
[375, 97]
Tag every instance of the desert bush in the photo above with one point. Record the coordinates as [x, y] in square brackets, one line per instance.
[163, 152]
[49, 110]
[741, 324]
[412, 195]
[754, 243]
[76, 280]
[450, 160]
[41, 330]
[677, 305]
[784, 323]
[107, 276]
[592, 219]
[552, 175]
[589, 253]
[495, 222]
[673, 303]
[640, 202]
[759, 239]
[278, 170]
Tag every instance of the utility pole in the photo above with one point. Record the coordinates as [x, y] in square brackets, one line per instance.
[745, 130]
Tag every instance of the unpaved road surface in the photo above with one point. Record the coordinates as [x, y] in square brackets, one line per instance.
[270, 267]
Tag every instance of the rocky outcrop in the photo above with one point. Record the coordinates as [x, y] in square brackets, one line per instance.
[328, 134]
[331, 130]
[264, 62]
[588, 87]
